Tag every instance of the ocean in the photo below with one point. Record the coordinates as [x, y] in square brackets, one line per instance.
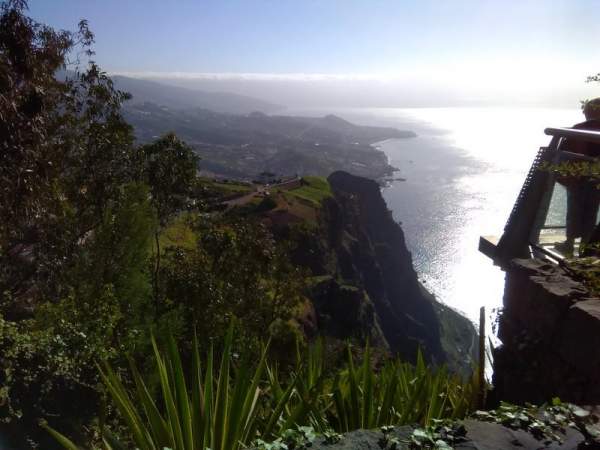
[462, 174]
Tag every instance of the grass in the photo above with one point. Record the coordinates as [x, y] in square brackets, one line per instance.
[227, 405]
[316, 280]
[178, 233]
[299, 207]
[231, 188]
[314, 191]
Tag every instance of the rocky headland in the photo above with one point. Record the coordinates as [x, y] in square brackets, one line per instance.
[363, 283]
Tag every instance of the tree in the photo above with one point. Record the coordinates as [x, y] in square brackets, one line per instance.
[80, 205]
[73, 219]
[48, 361]
[65, 149]
[169, 167]
[235, 270]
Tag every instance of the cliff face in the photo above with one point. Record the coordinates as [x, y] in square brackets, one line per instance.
[371, 248]
[366, 285]
[550, 330]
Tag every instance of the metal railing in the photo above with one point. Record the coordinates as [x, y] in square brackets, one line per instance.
[578, 135]
[542, 156]
[558, 135]
[590, 136]
[527, 217]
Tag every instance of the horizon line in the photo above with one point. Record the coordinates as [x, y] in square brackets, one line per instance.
[257, 76]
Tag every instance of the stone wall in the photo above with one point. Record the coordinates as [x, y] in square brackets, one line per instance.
[550, 330]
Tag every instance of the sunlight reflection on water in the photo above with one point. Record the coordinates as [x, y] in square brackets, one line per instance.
[463, 173]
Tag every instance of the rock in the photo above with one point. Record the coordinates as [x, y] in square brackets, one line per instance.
[538, 295]
[362, 440]
[492, 436]
[579, 341]
[345, 311]
[529, 266]
[370, 247]
[550, 333]
[479, 436]
[363, 282]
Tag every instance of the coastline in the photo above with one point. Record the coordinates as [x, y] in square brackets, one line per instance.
[461, 183]
[388, 179]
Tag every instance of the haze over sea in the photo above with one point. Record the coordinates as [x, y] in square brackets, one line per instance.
[463, 173]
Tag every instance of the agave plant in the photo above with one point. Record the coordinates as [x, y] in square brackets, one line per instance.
[217, 410]
[398, 394]
[226, 407]
[303, 400]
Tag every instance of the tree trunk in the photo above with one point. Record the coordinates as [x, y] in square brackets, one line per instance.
[156, 273]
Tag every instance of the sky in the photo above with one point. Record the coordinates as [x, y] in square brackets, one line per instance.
[390, 52]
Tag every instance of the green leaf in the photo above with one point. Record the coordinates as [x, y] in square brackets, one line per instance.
[62, 440]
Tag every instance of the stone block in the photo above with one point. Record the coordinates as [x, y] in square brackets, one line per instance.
[579, 340]
[538, 296]
[533, 267]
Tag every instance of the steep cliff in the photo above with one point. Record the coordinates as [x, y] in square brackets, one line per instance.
[371, 249]
[364, 281]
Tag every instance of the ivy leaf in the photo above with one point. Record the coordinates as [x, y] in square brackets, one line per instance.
[442, 445]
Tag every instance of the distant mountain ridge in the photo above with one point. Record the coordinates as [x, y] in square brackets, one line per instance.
[181, 98]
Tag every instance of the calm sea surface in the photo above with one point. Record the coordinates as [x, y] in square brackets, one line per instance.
[463, 173]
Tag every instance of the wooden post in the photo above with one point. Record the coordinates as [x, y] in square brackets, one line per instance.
[481, 374]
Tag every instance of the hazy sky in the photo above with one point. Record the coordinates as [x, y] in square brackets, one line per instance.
[391, 50]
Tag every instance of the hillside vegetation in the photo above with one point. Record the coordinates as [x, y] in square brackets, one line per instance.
[111, 249]
[315, 190]
[230, 405]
